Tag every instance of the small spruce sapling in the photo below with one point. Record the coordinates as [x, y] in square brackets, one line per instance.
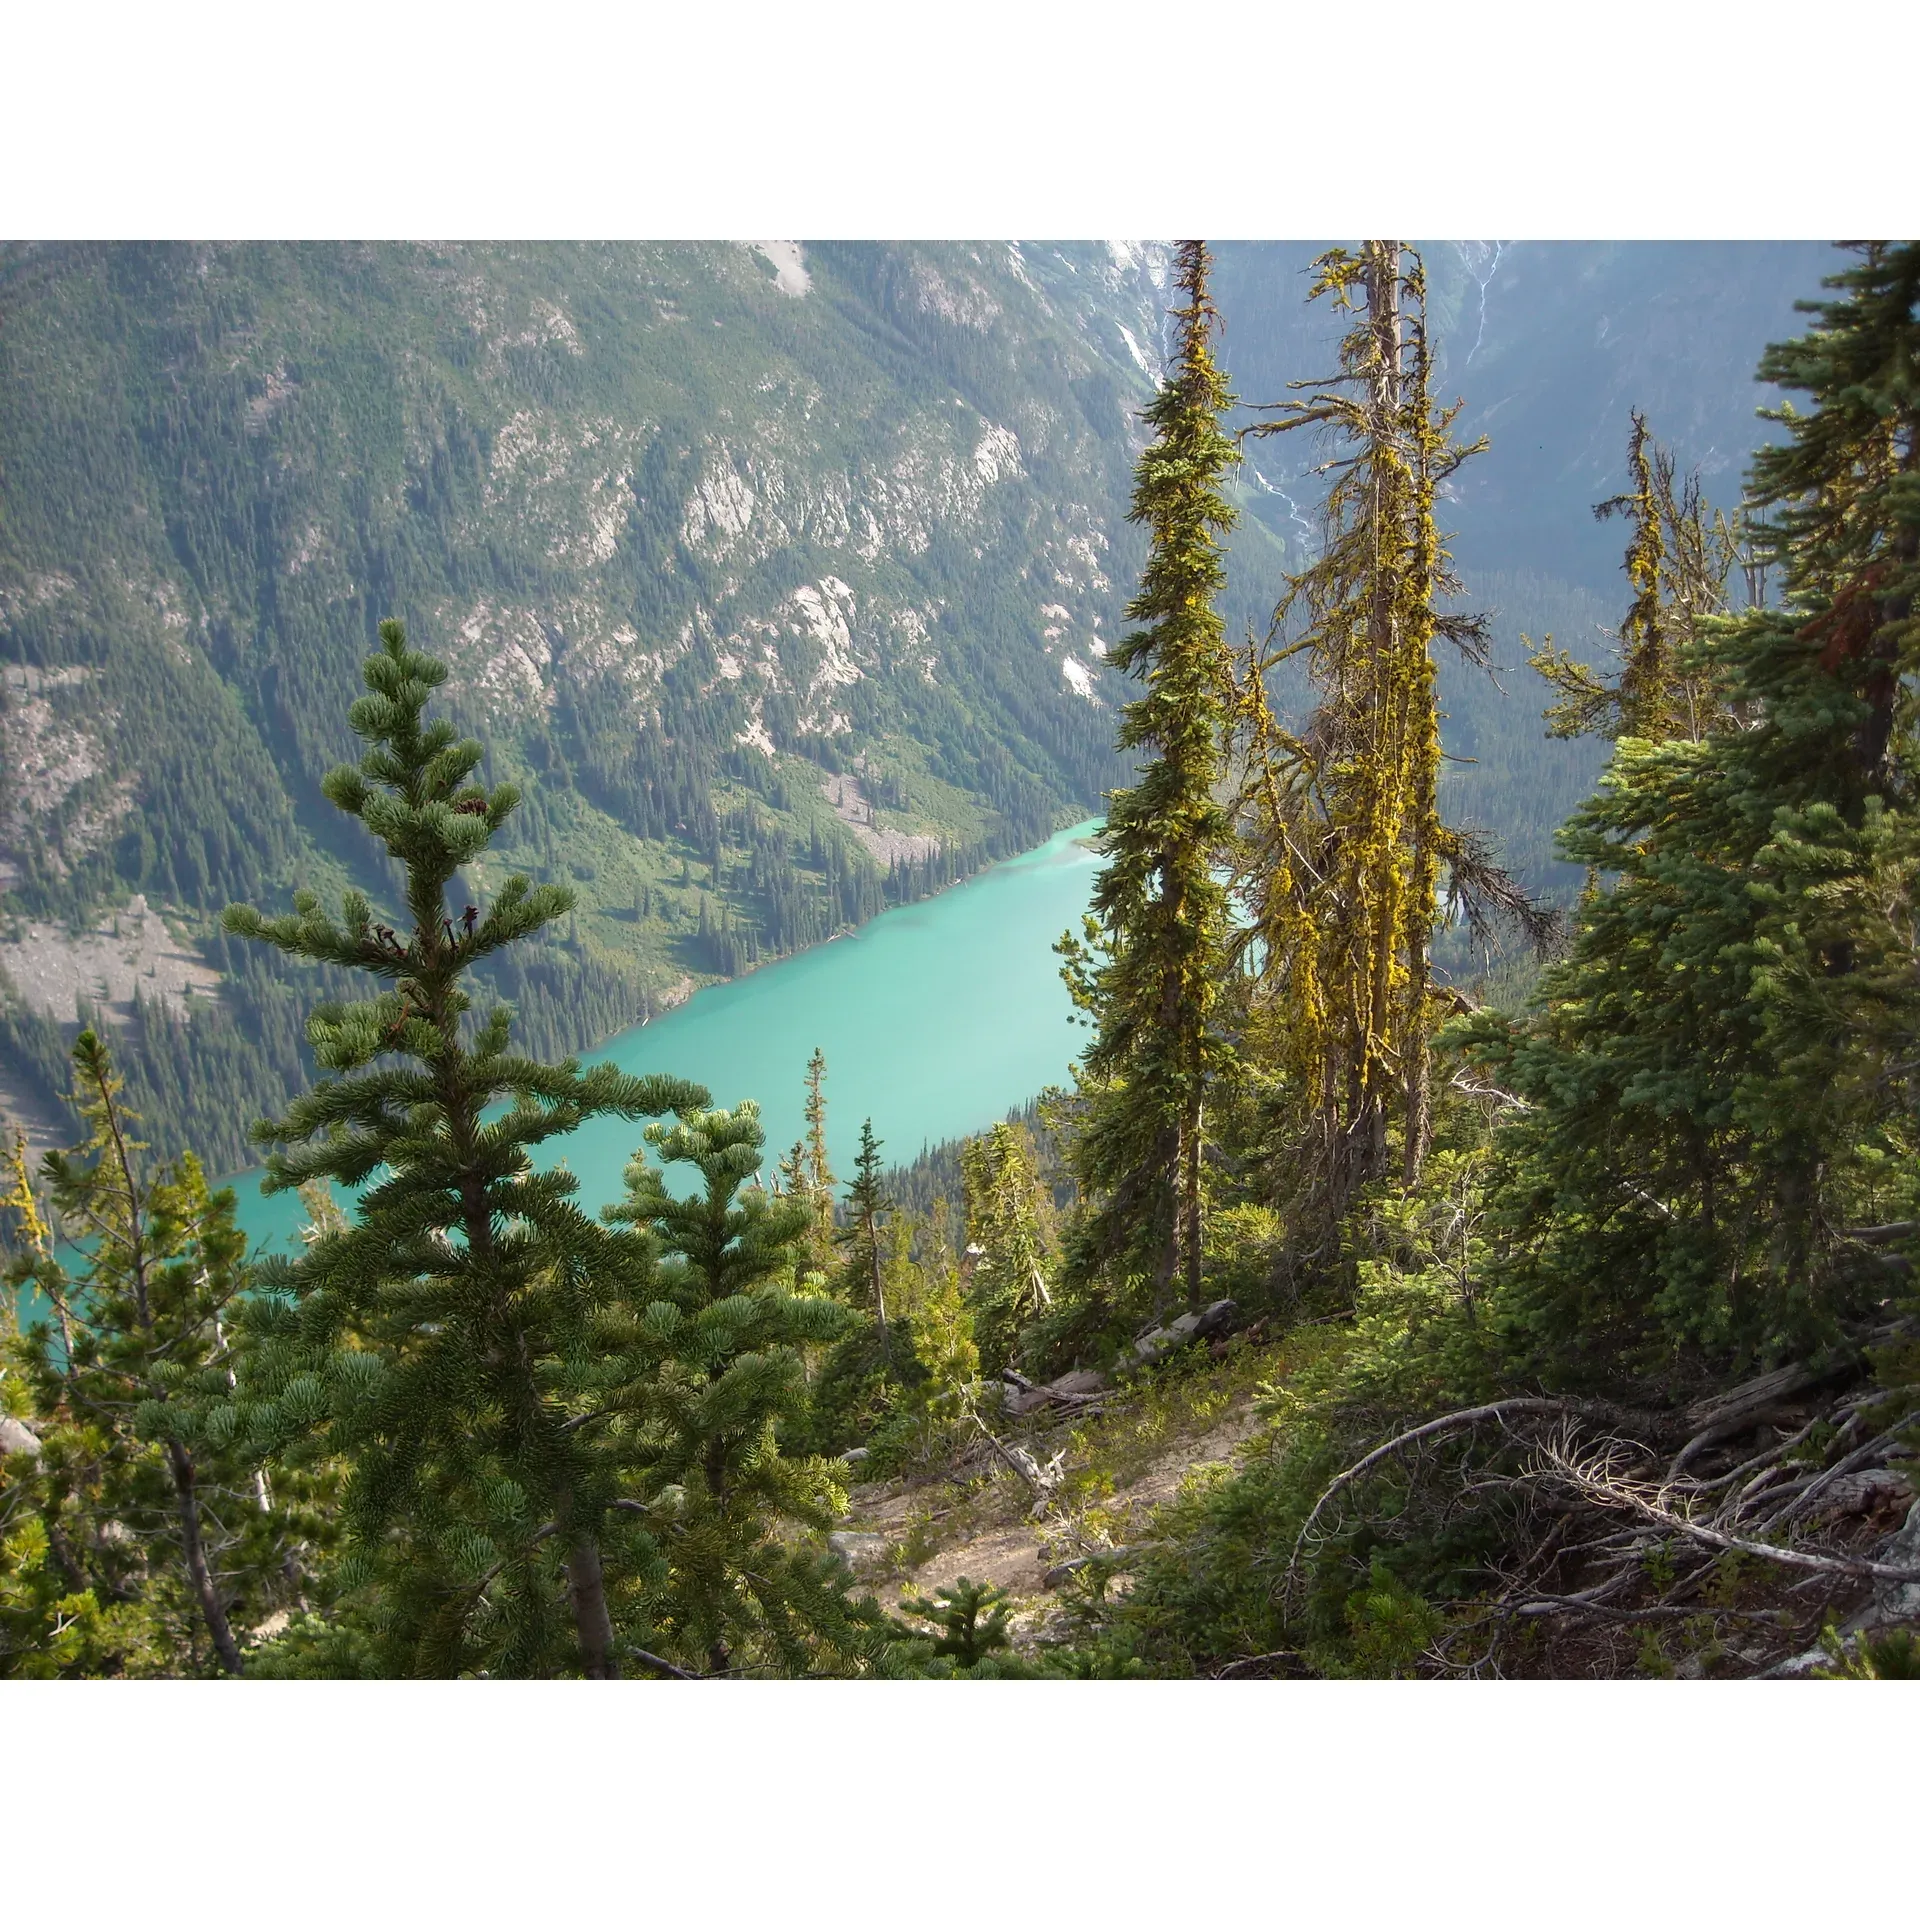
[965, 1623]
[715, 1369]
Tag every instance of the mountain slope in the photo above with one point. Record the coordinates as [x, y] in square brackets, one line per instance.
[767, 570]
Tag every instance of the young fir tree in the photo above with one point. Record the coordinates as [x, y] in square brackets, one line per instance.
[1152, 968]
[865, 1264]
[965, 1623]
[902, 1279]
[717, 1345]
[1719, 1074]
[943, 1329]
[57, 1505]
[1011, 1221]
[820, 1180]
[807, 1173]
[1341, 845]
[140, 1494]
[447, 1344]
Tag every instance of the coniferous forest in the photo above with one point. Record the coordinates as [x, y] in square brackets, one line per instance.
[1472, 1243]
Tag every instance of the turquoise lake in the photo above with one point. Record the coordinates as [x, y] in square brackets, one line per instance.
[935, 1019]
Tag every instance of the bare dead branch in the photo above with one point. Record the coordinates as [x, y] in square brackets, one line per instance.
[1598, 1476]
[665, 1668]
[1878, 1236]
[1857, 1458]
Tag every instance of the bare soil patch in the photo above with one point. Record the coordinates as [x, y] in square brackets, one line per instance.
[981, 1529]
[849, 800]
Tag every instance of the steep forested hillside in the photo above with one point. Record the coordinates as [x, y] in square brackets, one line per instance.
[781, 578]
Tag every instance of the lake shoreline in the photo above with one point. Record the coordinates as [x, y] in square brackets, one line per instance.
[941, 1016]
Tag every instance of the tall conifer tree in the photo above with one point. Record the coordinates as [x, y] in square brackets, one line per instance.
[1342, 847]
[1155, 962]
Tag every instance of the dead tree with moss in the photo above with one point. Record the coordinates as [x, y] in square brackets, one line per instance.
[1342, 857]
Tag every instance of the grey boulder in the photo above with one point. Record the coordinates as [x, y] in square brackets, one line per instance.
[856, 1551]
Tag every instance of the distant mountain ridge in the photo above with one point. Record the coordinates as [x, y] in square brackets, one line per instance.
[1549, 343]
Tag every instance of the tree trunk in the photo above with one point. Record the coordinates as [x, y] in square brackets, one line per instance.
[1382, 279]
[63, 1557]
[879, 1290]
[193, 1550]
[587, 1596]
[1419, 976]
[1169, 1262]
[586, 1583]
[1419, 1097]
[1190, 1204]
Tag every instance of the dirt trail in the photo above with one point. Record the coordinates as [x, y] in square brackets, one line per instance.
[982, 1532]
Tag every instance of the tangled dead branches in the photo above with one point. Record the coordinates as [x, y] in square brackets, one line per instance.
[1604, 1473]
[1682, 1525]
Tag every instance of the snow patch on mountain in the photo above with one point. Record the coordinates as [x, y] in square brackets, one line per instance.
[1139, 353]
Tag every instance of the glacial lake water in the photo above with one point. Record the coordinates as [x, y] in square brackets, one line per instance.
[935, 1019]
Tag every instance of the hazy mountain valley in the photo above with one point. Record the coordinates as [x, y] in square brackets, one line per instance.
[784, 575]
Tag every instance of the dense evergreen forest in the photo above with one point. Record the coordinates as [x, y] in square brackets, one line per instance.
[1446, 1262]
